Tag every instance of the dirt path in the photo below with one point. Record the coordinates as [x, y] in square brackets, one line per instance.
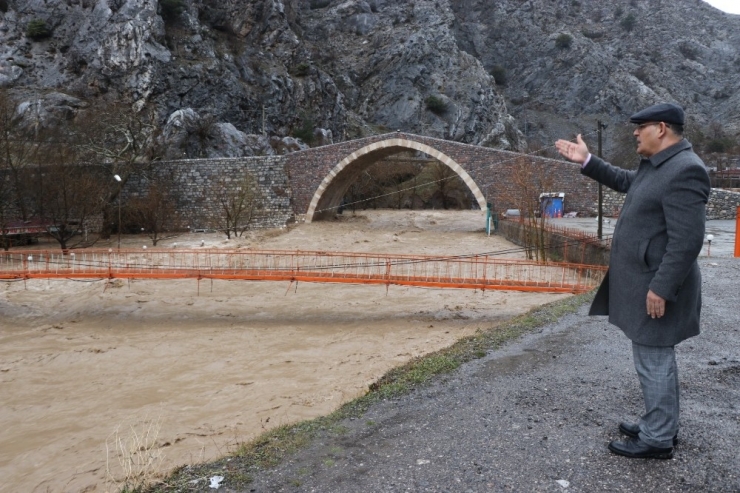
[207, 372]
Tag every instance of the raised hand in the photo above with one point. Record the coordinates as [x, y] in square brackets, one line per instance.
[573, 151]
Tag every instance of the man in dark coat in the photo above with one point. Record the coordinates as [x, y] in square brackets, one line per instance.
[652, 290]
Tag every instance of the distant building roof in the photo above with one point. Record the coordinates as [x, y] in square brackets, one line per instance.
[32, 226]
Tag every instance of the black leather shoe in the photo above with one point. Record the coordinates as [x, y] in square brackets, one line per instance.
[633, 431]
[635, 448]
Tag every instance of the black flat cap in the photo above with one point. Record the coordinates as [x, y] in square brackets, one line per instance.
[663, 112]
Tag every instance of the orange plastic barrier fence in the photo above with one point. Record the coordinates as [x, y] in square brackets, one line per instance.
[472, 272]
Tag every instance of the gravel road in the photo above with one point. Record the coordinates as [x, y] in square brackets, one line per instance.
[538, 414]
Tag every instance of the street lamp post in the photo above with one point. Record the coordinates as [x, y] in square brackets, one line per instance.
[118, 179]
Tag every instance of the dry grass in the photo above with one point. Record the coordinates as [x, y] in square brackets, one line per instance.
[133, 458]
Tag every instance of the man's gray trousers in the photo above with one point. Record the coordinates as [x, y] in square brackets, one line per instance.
[658, 374]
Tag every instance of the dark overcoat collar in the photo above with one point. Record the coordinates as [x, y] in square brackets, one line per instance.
[664, 155]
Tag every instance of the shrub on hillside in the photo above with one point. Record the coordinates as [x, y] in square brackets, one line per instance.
[436, 105]
[37, 29]
[592, 34]
[499, 75]
[301, 69]
[628, 23]
[720, 145]
[563, 41]
[688, 51]
[305, 131]
[171, 9]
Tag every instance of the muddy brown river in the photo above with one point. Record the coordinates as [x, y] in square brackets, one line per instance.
[194, 371]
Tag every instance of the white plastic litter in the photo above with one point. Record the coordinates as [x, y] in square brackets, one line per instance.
[563, 483]
[216, 481]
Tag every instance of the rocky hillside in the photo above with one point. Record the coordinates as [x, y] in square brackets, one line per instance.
[569, 62]
[332, 69]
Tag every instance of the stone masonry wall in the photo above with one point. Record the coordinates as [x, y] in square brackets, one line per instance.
[722, 204]
[198, 208]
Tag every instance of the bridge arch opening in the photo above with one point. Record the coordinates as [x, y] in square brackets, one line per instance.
[328, 196]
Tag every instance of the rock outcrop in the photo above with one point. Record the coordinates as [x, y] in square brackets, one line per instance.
[226, 76]
[568, 62]
[265, 67]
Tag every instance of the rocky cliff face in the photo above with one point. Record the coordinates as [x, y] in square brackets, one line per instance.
[269, 66]
[568, 62]
[354, 67]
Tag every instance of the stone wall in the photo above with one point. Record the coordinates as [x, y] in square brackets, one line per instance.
[722, 204]
[192, 182]
[612, 203]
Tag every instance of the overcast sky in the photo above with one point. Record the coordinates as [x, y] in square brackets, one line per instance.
[731, 6]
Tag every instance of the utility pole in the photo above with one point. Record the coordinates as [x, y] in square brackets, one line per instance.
[120, 189]
[599, 231]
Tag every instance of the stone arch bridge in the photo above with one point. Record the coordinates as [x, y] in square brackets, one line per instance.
[320, 177]
[309, 185]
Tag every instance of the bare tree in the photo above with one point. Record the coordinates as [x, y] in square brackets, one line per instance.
[415, 185]
[203, 133]
[5, 210]
[391, 176]
[240, 202]
[155, 212]
[122, 137]
[72, 197]
[527, 179]
[362, 191]
[6, 158]
[397, 186]
[19, 148]
[448, 185]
